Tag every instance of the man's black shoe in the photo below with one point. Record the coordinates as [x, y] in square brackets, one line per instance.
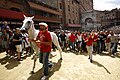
[91, 61]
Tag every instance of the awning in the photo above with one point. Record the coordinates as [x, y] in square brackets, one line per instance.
[19, 15]
[11, 14]
[73, 25]
[42, 8]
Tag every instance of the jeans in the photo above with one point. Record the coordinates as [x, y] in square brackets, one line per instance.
[63, 44]
[43, 58]
[113, 47]
[4, 44]
[73, 45]
[79, 44]
[101, 46]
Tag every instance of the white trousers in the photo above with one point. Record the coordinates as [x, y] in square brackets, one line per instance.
[90, 50]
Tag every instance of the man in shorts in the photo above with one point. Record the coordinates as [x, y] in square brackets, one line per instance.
[17, 39]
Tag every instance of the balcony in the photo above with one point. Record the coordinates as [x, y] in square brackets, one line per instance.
[42, 8]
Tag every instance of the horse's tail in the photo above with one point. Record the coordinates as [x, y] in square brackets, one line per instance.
[56, 42]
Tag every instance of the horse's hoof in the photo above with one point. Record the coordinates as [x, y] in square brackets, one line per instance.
[32, 58]
[32, 72]
[61, 59]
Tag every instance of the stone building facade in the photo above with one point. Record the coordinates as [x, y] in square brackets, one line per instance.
[86, 5]
[91, 20]
[71, 14]
[59, 14]
[13, 10]
[110, 18]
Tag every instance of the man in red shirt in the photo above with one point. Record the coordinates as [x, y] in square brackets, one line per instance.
[89, 46]
[72, 39]
[45, 42]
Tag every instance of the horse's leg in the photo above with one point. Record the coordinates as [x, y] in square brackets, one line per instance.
[60, 50]
[35, 57]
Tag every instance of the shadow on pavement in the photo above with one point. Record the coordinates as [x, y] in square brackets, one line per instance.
[105, 54]
[51, 56]
[84, 53]
[37, 75]
[118, 54]
[9, 63]
[100, 65]
[56, 67]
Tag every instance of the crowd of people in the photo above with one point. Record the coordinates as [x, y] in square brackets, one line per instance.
[98, 40]
[74, 41]
[16, 41]
[13, 41]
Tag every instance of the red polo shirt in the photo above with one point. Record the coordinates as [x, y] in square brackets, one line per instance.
[72, 38]
[45, 37]
[89, 41]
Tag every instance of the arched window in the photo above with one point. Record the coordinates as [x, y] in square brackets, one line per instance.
[88, 20]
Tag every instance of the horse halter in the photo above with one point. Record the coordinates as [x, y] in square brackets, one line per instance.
[27, 25]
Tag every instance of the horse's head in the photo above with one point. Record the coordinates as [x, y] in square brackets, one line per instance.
[27, 22]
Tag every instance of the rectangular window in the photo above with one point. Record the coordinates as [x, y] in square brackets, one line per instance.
[113, 14]
[72, 2]
[68, 7]
[73, 9]
[70, 21]
[60, 6]
[32, 11]
[61, 20]
[73, 22]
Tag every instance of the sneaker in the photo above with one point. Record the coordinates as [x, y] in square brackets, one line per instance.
[44, 78]
[8, 55]
[19, 59]
[112, 55]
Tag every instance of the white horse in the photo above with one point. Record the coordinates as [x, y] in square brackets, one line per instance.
[28, 25]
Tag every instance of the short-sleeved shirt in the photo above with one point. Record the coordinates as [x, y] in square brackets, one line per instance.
[90, 41]
[45, 37]
[63, 37]
[72, 38]
[17, 37]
